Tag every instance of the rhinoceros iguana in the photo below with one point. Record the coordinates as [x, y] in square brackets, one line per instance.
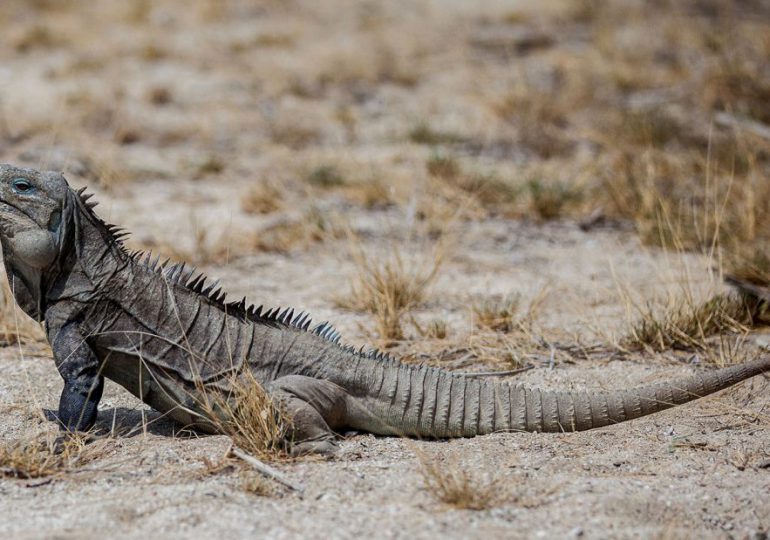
[165, 334]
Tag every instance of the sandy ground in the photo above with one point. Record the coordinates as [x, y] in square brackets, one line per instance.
[172, 116]
[700, 470]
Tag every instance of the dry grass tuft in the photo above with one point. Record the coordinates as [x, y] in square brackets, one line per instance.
[372, 193]
[295, 135]
[262, 198]
[435, 329]
[41, 456]
[499, 315]
[251, 418]
[313, 227]
[548, 199]
[160, 95]
[488, 191]
[424, 134]
[439, 208]
[211, 165]
[443, 166]
[152, 52]
[388, 289]
[493, 193]
[285, 236]
[530, 106]
[325, 176]
[207, 245]
[509, 332]
[454, 485]
[691, 202]
[505, 350]
[684, 324]
[515, 349]
[210, 243]
[38, 36]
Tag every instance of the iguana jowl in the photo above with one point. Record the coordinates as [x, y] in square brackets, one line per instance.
[165, 335]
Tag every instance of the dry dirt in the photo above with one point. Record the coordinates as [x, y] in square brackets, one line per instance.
[172, 115]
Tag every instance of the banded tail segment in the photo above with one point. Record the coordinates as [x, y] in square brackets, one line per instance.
[428, 402]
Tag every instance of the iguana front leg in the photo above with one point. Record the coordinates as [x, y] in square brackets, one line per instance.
[83, 384]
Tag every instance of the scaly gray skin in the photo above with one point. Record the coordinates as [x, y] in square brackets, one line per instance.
[164, 335]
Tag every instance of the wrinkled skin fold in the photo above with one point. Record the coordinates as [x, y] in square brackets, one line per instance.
[170, 338]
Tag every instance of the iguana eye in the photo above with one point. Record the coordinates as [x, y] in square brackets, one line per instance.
[22, 185]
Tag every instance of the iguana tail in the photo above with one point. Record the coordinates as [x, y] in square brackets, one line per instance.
[428, 402]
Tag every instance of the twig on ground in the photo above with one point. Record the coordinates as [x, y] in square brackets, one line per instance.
[496, 373]
[267, 470]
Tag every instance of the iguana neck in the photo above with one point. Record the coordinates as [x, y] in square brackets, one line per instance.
[90, 255]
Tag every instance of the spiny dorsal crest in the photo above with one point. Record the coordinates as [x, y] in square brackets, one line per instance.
[115, 234]
[187, 276]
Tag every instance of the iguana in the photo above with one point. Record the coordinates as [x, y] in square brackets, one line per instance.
[166, 334]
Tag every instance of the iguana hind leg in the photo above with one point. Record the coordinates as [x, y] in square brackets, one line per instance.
[314, 407]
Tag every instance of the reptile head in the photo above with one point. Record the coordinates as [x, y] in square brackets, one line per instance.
[32, 204]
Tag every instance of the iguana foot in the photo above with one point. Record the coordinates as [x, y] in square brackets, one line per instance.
[69, 438]
[325, 448]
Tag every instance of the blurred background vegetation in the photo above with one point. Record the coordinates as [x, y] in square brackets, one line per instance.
[654, 114]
